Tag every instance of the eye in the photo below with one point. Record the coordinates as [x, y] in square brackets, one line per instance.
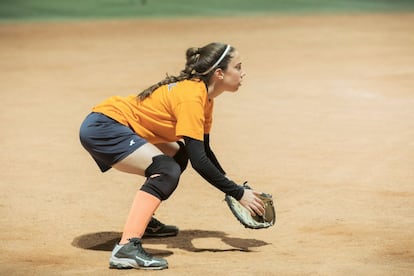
[238, 67]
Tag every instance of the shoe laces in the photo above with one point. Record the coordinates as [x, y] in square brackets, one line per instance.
[155, 223]
[138, 245]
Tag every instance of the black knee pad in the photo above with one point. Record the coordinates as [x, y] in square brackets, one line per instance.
[162, 177]
[181, 156]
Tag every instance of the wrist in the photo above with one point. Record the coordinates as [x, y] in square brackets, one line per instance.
[237, 192]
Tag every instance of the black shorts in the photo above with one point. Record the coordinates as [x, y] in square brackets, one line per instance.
[107, 141]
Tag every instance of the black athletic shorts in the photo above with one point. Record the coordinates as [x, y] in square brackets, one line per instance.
[107, 141]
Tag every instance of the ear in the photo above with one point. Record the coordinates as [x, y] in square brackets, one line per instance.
[219, 73]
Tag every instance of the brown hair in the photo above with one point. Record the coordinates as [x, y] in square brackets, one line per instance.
[199, 65]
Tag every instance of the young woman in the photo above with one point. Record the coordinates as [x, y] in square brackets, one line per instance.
[154, 135]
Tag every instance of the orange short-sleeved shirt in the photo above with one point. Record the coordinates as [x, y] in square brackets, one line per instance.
[171, 112]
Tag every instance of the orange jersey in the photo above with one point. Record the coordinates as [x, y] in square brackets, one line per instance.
[169, 113]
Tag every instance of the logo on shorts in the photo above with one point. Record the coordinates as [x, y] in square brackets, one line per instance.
[131, 142]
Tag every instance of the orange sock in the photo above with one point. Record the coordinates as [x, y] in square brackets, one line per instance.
[142, 210]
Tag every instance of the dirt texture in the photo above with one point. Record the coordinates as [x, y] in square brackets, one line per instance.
[324, 121]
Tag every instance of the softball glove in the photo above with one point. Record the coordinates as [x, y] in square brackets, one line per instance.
[246, 219]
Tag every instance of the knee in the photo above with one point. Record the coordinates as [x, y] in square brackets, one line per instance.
[162, 177]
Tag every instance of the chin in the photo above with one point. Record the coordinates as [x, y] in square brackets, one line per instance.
[237, 88]
[233, 88]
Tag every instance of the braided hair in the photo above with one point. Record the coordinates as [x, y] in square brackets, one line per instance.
[200, 65]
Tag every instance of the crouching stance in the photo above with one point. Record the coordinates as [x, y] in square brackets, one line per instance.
[154, 134]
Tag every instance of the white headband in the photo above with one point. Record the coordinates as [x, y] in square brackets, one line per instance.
[218, 61]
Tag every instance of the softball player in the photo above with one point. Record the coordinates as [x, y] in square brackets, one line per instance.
[154, 135]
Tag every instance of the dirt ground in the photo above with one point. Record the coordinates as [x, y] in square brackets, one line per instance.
[324, 121]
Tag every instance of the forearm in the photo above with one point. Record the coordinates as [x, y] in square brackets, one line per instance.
[205, 167]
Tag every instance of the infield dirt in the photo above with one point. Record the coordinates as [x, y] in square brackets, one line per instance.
[324, 121]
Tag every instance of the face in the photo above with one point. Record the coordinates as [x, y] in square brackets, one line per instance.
[233, 75]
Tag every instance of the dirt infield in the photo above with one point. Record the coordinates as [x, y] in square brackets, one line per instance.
[324, 121]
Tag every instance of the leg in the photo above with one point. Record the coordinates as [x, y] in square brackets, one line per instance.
[121, 141]
[169, 149]
[138, 161]
[162, 179]
[155, 228]
[177, 151]
[144, 204]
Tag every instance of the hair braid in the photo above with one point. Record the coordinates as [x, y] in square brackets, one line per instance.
[168, 79]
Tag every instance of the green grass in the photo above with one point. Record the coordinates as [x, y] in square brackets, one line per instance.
[40, 10]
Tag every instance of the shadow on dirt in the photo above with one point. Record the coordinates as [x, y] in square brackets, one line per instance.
[105, 241]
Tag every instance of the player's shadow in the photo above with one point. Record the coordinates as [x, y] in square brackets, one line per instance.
[105, 241]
